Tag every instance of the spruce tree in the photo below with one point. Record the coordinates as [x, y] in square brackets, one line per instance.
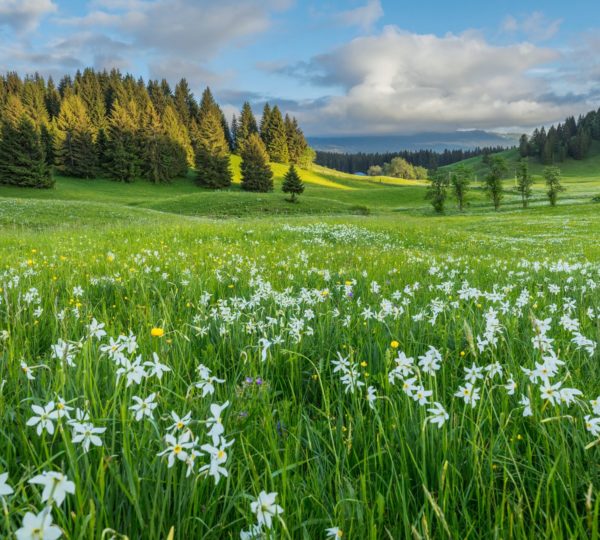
[234, 133]
[22, 159]
[122, 151]
[75, 150]
[493, 179]
[292, 183]
[265, 121]
[296, 142]
[212, 152]
[87, 87]
[246, 127]
[524, 182]
[256, 173]
[277, 147]
[176, 132]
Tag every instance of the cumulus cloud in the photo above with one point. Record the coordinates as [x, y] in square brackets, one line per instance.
[363, 17]
[403, 82]
[24, 15]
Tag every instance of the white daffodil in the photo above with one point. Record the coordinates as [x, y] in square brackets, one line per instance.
[156, 368]
[56, 486]
[44, 419]
[87, 435]
[438, 415]
[38, 527]
[265, 508]
[143, 407]
[215, 423]
[5, 489]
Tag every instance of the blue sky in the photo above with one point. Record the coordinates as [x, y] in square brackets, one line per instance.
[342, 67]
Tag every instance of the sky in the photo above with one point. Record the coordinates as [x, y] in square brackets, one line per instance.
[353, 67]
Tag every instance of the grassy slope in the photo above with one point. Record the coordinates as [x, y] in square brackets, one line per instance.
[327, 192]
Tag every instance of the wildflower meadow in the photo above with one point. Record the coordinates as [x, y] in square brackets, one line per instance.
[358, 378]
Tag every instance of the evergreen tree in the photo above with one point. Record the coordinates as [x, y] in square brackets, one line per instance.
[276, 144]
[524, 182]
[122, 151]
[208, 106]
[87, 87]
[493, 180]
[234, 133]
[264, 124]
[296, 142]
[156, 165]
[75, 150]
[437, 192]
[212, 152]
[256, 173]
[182, 100]
[460, 179]
[22, 159]
[524, 146]
[552, 178]
[292, 183]
[246, 127]
[176, 131]
[52, 99]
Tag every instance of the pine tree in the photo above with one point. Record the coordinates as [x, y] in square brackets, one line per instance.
[296, 142]
[292, 183]
[122, 149]
[184, 103]
[256, 173]
[524, 182]
[22, 159]
[176, 131]
[52, 99]
[246, 127]
[156, 165]
[87, 87]
[75, 150]
[265, 121]
[212, 152]
[277, 147]
[234, 133]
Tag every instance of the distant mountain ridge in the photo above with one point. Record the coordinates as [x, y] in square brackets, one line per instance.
[438, 142]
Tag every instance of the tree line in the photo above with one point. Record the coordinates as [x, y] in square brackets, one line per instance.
[427, 159]
[113, 125]
[572, 139]
[459, 180]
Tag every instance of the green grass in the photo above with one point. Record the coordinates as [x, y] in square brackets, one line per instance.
[318, 280]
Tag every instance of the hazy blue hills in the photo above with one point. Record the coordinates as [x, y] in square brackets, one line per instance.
[420, 141]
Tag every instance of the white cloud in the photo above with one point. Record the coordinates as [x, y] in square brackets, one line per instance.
[536, 26]
[364, 16]
[24, 15]
[398, 82]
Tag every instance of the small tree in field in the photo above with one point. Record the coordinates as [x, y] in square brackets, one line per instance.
[524, 182]
[493, 179]
[292, 183]
[552, 177]
[460, 180]
[437, 192]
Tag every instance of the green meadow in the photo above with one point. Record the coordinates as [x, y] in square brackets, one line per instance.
[386, 372]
